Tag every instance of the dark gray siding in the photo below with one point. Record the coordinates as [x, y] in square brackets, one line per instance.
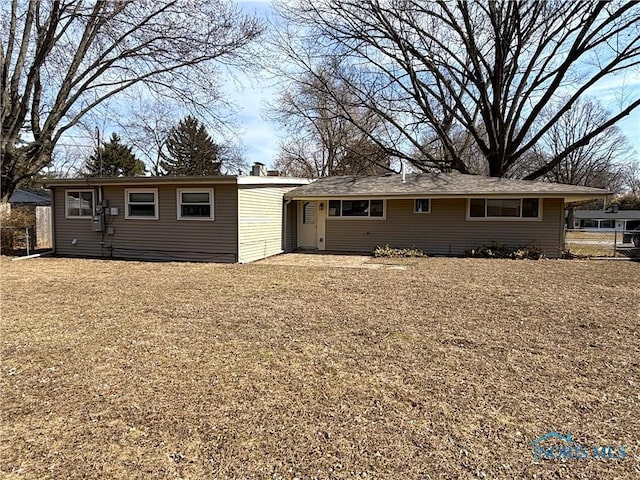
[66, 230]
[164, 239]
[445, 231]
[291, 226]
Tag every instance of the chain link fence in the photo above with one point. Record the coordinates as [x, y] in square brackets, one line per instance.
[17, 240]
[589, 243]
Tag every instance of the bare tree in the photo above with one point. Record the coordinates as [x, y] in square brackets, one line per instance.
[599, 163]
[148, 121]
[631, 175]
[66, 163]
[146, 127]
[328, 133]
[486, 67]
[62, 58]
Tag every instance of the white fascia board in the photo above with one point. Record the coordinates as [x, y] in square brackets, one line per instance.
[283, 181]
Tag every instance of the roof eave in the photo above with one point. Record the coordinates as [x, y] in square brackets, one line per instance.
[568, 197]
[100, 181]
[216, 180]
[584, 197]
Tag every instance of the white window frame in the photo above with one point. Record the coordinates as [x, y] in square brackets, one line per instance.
[79, 190]
[179, 193]
[156, 203]
[415, 205]
[368, 217]
[469, 218]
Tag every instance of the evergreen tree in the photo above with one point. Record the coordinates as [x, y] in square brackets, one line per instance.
[118, 160]
[191, 151]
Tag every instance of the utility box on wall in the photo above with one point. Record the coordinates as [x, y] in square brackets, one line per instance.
[98, 223]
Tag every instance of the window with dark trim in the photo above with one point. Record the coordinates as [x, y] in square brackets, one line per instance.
[356, 208]
[607, 224]
[504, 208]
[422, 205]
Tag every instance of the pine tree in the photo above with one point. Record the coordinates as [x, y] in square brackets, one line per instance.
[191, 151]
[118, 160]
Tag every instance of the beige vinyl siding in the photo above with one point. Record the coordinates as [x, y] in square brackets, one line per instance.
[164, 239]
[445, 231]
[260, 220]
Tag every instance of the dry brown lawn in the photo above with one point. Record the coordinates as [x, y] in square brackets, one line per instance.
[598, 244]
[448, 368]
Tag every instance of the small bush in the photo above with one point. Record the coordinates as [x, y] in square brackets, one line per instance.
[499, 250]
[495, 250]
[17, 217]
[389, 252]
[527, 253]
[10, 219]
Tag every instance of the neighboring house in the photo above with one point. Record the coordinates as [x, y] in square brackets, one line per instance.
[213, 219]
[26, 231]
[30, 198]
[442, 214]
[245, 218]
[606, 221]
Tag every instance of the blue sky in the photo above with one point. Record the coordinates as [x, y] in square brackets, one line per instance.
[260, 137]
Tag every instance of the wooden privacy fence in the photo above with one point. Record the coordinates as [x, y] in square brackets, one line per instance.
[43, 228]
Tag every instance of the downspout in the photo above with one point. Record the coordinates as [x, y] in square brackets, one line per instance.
[563, 228]
[103, 214]
[53, 220]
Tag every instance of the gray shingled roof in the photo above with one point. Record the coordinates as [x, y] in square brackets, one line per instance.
[599, 214]
[439, 184]
[30, 197]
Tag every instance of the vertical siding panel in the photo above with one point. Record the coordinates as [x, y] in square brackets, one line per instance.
[261, 228]
[445, 231]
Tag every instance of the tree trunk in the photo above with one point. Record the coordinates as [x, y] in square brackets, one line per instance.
[8, 182]
[496, 167]
[18, 166]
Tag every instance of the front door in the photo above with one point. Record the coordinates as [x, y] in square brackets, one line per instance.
[307, 224]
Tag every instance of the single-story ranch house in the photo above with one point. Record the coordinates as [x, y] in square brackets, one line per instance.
[246, 218]
[606, 221]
